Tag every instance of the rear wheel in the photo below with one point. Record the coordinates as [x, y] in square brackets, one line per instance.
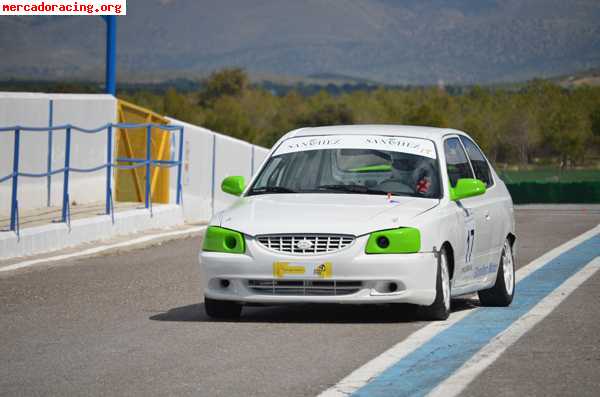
[439, 310]
[502, 293]
[222, 309]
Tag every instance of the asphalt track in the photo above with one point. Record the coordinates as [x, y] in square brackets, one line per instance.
[131, 322]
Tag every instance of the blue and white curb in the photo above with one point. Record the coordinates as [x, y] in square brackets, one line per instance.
[460, 379]
[443, 359]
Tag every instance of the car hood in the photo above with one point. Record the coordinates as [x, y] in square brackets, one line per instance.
[355, 214]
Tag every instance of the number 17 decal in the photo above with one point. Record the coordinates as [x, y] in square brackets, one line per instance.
[470, 243]
[470, 231]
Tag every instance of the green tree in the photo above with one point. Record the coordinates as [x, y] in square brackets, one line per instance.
[173, 102]
[329, 114]
[538, 122]
[228, 116]
[366, 107]
[595, 121]
[425, 115]
[226, 82]
[520, 133]
[475, 126]
[566, 132]
[290, 110]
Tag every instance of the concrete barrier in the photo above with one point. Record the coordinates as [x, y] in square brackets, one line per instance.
[232, 157]
[56, 236]
[197, 172]
[31, 110]
[88, 150]
[208, 158]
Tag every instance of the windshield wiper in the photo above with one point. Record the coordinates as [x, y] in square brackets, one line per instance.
[271, 189]
[351, 189]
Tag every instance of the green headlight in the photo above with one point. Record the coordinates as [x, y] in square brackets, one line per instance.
[405, 240]
[218, 239]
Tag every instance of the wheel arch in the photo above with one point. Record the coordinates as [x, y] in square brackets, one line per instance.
[450, 251]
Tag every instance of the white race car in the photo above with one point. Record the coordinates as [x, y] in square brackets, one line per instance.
[363, 214]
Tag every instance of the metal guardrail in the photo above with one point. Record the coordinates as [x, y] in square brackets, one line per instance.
[148, 162]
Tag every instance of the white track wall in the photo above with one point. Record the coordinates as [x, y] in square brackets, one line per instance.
[201, 180]
[87, 150]
[31, 110]
[208, 156]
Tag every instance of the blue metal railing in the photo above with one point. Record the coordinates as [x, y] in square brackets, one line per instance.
[148, 162]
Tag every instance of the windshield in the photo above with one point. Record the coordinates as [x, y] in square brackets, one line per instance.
[350, 170]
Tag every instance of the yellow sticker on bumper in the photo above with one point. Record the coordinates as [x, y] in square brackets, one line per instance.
[321, 270]
[281, 269]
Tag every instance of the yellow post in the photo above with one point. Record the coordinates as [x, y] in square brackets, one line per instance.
[131, 143]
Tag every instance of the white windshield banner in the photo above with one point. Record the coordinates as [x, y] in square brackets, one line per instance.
[417, 146]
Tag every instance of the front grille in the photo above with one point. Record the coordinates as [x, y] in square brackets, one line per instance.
[304, 244]
[304, 287]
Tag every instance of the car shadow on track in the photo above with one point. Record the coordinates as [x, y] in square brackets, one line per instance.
[306, 313]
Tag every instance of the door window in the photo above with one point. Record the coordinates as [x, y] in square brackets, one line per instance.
[456, 161]
[480, 165]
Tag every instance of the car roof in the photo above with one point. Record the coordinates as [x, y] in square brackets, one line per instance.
[432, 133]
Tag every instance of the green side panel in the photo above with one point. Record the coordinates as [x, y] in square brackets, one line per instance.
[218, 239]
[555, 192]
[373, 168]
[405, 240]
[233, 185]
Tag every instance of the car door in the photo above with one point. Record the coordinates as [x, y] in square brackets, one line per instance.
[473, 254]
[492, 203]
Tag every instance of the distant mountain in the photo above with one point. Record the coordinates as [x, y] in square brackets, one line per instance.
[390, 41]
[588, 78]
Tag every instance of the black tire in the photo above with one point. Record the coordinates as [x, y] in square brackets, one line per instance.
[222, 309]
[439, 310]
[500, 294]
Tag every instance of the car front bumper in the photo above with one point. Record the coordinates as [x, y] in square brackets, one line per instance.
[235, 277]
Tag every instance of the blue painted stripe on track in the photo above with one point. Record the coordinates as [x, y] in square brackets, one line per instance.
[421, 371]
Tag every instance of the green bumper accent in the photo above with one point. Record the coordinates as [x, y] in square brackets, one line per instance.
[405, 240]
[218, 239]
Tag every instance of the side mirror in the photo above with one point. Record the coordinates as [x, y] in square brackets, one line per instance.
[467, 187]
[233, 185]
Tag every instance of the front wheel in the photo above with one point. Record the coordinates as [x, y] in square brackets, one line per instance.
[222, 309]
[439, 310]
[502, 293]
